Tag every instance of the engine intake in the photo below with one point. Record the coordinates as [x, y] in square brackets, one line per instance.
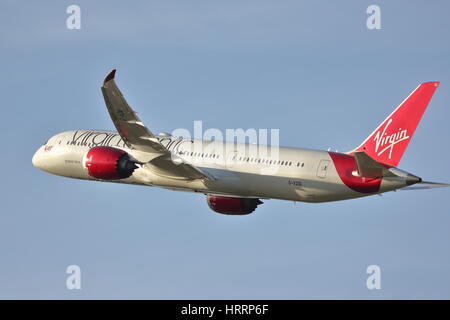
[231, 205]
[108, 163]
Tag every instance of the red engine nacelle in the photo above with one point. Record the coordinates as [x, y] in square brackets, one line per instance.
[108, 163]
[231, 205]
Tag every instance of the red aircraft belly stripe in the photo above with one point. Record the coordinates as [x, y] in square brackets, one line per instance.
[345, 165]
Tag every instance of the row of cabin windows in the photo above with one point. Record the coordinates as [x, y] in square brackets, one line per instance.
[84, 144]
[81, 144]
[199, 154]
[244, 159]
[268, 161]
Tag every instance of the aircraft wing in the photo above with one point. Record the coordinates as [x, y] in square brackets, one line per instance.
[132, 130]
[173, 167]
[136, 135]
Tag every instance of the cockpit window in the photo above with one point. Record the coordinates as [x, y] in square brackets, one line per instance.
[45, 143]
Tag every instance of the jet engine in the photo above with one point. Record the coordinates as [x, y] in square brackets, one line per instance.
[108, 163]
[231, 205]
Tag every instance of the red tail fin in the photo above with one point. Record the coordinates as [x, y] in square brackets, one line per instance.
[389, 141]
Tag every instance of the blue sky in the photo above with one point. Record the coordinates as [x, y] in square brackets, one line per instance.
[310, 68]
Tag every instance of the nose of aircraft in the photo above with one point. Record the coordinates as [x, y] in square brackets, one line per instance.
[37, 158]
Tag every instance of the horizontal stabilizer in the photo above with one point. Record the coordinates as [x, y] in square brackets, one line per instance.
[369, 168]
[427, 185]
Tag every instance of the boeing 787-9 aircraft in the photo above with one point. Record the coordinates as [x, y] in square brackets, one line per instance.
[236, 176]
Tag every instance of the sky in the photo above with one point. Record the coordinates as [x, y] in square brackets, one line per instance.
[309, 68]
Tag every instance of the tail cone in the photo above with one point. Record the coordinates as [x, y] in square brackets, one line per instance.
[412, 179]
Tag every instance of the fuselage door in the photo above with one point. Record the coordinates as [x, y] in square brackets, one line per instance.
[322, 168]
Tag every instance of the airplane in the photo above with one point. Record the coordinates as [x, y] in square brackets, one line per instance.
[236, 177]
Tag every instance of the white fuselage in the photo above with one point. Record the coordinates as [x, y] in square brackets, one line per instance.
[242, 170]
